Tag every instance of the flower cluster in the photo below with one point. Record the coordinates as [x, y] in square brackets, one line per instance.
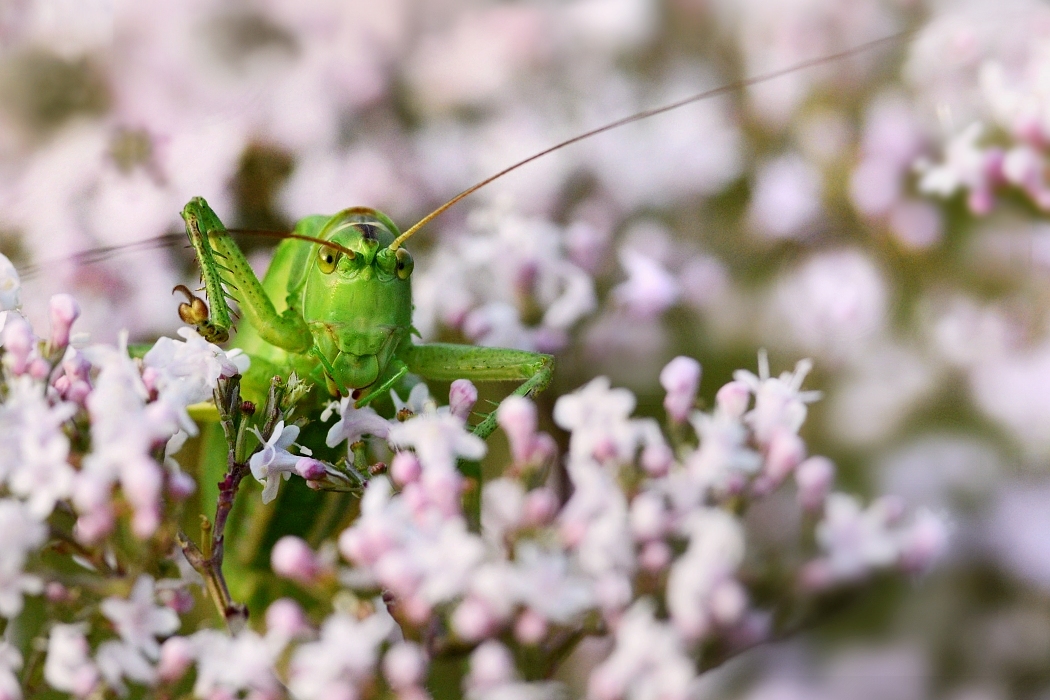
[648, 550]
[646, 547]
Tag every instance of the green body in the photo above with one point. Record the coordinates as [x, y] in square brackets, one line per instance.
[341, 318]
[341, 321]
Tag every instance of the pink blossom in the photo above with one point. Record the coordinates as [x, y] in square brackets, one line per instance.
[293, 559]
[786, 198]
[733, 398]
[285, 618]
[680, 378]
[530, 628]
[346, 654]
[19, 344]
[779, 402]
[649, 659]
[517, 416]
[176, 657]
[814, 478]
[138, 620]
[405, 468]
[404, 665]
[462, 395]
[68, 666]
[438, 439]
[491, 665]
[649, 290]
[64, 311]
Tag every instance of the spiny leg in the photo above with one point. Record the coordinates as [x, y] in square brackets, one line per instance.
[449, 362]
[226, 272]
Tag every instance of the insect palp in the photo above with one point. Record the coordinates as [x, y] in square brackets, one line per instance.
[193, 311]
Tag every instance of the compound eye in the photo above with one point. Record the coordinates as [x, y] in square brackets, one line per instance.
[327, 259]
[404, 263]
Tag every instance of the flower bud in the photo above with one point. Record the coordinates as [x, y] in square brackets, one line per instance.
[517, 416]
[64, 310]
[286, 618]
[814, 478]
[310, 469]
[405, 468]
[472, 620]
[19, 343]
[732, 399]
[680, 378]
[462, 396]
[491, 665]
[541, 505]
[530, 628]
[293, 559]
[176, 655]
[404, 665]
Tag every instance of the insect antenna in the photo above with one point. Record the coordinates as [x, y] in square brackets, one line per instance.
[167, 240]
[96, 255]
[645, 114]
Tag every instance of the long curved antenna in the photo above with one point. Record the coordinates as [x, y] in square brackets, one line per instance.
[728, 87]
[96, 255]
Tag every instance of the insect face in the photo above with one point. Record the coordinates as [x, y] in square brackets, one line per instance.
[357, 298]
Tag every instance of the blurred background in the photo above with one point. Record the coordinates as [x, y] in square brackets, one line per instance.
[881, 213]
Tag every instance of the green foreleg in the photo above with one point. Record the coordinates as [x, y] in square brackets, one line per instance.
[450, 362]
[226, 272]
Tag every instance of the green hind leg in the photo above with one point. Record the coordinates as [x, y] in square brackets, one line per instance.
[450, 362]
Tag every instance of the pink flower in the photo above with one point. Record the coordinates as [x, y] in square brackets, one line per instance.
[293, 559]
[680, 378]
[64, 311]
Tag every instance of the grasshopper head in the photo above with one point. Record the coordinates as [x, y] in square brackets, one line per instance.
[357, 296]
[368, 234]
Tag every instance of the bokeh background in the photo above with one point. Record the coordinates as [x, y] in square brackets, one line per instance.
[881, 213]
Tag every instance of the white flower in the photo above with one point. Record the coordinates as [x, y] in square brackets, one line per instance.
[779, 403]
[138, 620]
[649, 290]
[185, 373]
[10, 664]
[418, 401]
[119, 660]
[544, 581]
[722, 456]
[857, 540]
[598, 417]
[595, 522]
[10, 284]
[345, 655]
[355, 423]
[34, 458]
[20, 534]
[648, 661]
[227, 665]
[274, 462]
[125, 430]
[716, 549]
[68, 666]
[438, 439]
